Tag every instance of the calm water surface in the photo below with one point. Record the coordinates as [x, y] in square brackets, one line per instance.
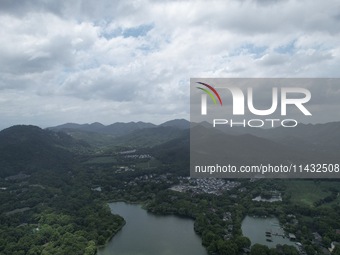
[255, 229]
[148, 234]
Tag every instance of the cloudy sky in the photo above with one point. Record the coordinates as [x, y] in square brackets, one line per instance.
[107, 61]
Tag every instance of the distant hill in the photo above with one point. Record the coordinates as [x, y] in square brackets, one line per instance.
[304, 142]
[237, 149]
[29, 148]
[94, 127]
[115, 129]
[131, 133]
[212, 145]
[174, 151]
[325, 137]
[178, 123]
[119, 128]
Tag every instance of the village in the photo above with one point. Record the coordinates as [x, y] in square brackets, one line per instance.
[209, 185]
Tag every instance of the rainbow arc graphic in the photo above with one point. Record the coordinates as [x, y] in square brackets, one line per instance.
[213, 94]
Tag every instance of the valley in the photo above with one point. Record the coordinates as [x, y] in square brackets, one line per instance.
[56, 189]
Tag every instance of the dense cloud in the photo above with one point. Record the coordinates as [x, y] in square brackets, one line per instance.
[85, 61]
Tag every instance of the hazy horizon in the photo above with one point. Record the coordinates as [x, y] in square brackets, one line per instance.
[136, 121]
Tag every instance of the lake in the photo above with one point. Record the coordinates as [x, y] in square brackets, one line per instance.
[255, 229]
[149, 234]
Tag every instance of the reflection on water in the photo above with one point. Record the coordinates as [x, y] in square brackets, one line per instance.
[148, 234]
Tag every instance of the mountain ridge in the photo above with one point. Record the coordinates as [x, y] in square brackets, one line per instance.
[117, 128]
[27, 145]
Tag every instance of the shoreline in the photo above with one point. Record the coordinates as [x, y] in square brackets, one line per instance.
[109, 238]
[143, 204]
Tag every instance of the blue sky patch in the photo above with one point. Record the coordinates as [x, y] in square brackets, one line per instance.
[249, 48]
[287, 48]
[141, 30]
[138, 31]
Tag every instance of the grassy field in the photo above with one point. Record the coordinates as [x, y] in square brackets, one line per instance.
[307, 192]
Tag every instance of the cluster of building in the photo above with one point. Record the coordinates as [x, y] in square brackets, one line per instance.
[208, 185]
[131, 154]
[123, 169]
[138, 156]
[275, 197]
[127, 152]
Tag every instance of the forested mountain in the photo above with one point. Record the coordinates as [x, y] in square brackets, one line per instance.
[29, 148]
[46, 206]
